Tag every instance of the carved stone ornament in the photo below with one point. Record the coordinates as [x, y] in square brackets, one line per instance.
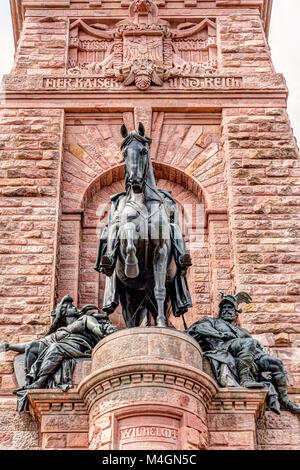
[143, 49]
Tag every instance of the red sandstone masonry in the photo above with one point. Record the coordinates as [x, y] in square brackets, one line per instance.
[17, 432]
[264, 198]
[244, 48]
[30, 159]
[246, 171]
[42, 48]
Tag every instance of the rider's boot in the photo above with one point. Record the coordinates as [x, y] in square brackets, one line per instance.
[182, 255]
[185, 261]
[107, 264]
[280, 383]
[108, 260]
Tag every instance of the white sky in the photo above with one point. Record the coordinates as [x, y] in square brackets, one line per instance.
[284, 41]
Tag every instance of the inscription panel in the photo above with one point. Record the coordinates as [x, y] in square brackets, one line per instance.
[148, 432]
[184, 83]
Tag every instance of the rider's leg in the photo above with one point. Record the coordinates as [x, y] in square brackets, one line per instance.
[275, 366]
[182, 255]
[243, 350]
[109, 258]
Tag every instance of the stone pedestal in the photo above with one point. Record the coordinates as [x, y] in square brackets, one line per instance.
[63, 419]
[147, 390]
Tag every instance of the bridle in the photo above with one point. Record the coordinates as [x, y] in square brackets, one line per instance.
[126, 142]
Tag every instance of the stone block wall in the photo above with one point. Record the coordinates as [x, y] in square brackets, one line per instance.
[17, 432]
[227, 147]
[244, 48]
[30, 193]
[263, 165]
[42, 46]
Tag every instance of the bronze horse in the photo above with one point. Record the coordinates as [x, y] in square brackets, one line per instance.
[139, 255]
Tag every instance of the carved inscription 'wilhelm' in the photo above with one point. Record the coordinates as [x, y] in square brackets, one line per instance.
[149, 431]
[143, 49]
[136, 436]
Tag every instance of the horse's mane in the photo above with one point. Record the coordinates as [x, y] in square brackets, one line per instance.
[135, 135]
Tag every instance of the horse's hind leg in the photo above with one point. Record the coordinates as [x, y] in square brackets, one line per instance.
[135, 313]
[160, 269]
[143, 317]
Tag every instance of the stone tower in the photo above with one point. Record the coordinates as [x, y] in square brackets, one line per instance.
[200, 77]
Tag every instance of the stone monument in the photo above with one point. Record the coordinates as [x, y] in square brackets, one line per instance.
[199, 77]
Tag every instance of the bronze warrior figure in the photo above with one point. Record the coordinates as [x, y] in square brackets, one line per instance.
[238, 359]
[50, 361]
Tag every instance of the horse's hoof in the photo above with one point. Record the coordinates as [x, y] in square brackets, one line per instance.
[161, 324]
[132, 271]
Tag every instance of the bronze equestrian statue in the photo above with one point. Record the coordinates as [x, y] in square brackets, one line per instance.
[142, 250]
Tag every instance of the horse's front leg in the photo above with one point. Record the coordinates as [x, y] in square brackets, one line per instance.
[160, 270]
[129, 234]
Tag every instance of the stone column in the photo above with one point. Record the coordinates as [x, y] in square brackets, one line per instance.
[147, 390]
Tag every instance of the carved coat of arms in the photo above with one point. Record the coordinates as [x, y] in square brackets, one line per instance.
[143, 49]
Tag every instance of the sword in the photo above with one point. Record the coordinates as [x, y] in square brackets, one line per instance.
[184, 323]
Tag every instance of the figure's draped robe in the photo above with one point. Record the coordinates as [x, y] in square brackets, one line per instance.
[57, 357]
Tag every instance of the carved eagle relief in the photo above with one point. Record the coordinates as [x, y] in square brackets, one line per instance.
[146, 47]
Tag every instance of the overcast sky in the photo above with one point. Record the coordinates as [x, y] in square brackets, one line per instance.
[284, 41]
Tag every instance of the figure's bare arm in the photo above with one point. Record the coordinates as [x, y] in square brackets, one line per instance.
[20, 348]
[93, 326]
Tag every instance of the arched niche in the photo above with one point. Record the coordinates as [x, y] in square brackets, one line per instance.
[211, 254]
[96, 204]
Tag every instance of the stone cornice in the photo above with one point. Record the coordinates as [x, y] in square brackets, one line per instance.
[55, 400]
[238, 400]
[127, 374]
[265, 83]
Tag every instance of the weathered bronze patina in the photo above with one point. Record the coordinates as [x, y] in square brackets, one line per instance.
[142, 250]
[238, 359]
[50, 361]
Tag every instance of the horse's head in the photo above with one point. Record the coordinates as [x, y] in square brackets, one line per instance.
[135, 150]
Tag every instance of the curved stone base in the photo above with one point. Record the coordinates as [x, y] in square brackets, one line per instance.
[147, 390]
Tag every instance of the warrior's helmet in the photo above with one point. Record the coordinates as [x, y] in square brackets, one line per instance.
[235, 300]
